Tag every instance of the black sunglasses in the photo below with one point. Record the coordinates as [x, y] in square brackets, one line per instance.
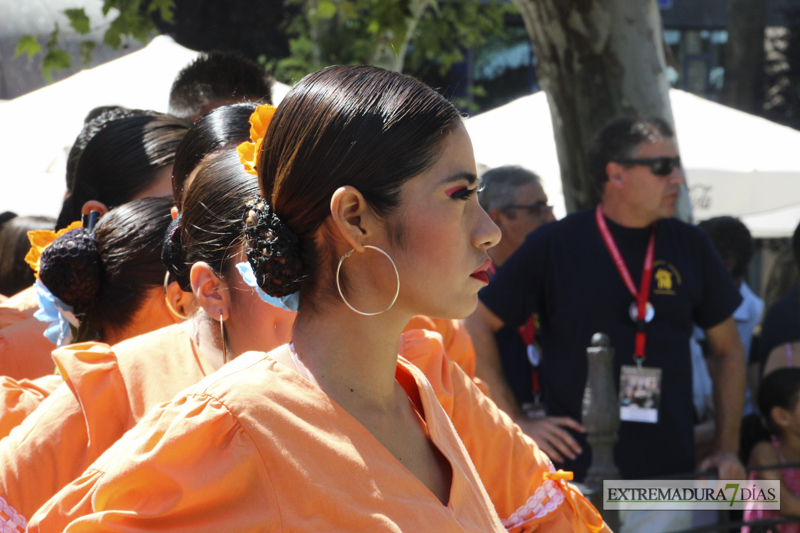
[660, 166]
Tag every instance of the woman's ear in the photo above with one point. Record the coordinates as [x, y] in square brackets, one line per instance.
[182, 302]
[210, 292]
[352, 216]
[94, 205]
[780, 416]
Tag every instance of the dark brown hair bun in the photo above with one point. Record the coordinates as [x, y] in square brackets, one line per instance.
[172, 254]
[70, 268]
[273, 250]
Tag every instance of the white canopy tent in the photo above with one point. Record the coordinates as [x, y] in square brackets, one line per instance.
[40, 127]
[736, 164]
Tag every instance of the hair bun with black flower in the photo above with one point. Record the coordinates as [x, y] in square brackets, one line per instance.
[71, 268]
[172, 255]
[272, 249]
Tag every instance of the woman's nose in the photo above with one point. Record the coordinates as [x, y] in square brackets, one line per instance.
[486, 233]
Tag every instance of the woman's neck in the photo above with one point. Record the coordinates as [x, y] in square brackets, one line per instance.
[207, 335]
[353, 358]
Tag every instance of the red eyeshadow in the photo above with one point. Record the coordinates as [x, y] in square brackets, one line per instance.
[451, 190]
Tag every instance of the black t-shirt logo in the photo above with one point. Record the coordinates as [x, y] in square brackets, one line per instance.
[666, 278]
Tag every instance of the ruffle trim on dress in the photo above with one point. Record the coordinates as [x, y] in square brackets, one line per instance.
[545, 499]
[10, 520]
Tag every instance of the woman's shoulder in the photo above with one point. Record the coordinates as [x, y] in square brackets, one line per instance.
[163, 338]
[251, 378]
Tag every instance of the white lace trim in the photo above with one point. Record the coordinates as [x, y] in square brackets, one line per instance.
[10, 520]
[544, 501]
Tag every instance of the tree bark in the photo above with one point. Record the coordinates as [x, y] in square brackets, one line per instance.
[597, 60]
[744, 61]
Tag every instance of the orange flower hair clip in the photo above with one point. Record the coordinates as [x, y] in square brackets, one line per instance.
[248, 151]
[41, 239]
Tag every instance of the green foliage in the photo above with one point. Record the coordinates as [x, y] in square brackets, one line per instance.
[78, 20]
[87, 47]
[135, 19]
[388, 33]
[165, 8]
[28, 44]
[55, 58]
[442, 36]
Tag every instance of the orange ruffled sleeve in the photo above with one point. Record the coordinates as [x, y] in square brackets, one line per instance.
[68, 431]
[457, 343]
[25, 351]
[20, 398]
[194, 443]
[510, 464]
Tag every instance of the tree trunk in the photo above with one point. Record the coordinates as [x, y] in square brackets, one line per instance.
[744, 55]
[597, 60]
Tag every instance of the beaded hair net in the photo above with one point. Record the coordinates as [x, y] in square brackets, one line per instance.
[272, 248]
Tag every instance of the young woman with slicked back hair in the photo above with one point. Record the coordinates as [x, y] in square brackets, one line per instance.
[367, 216]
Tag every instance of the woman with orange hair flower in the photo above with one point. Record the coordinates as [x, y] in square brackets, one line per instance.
[367, 217]
[126, 155]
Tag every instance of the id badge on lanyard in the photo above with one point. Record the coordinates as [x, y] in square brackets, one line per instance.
[639, 387]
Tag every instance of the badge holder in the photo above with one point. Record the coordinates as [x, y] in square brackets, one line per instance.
[639, 394]
[640, 387]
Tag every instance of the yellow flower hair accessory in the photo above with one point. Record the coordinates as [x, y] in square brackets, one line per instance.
[41, 239]
[248, 151]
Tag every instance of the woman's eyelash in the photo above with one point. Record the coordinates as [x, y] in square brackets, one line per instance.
[461, 193]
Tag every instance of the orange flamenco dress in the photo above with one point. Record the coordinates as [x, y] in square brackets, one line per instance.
[19, 398]
[257, 447]
[106, 390]
[24, 350]
[18, 307]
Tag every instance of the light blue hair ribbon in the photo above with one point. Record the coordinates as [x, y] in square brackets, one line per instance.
[60, 316]
[290, 302]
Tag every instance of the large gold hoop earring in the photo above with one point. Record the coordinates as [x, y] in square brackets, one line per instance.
[222, 334]
[169, 304]
[339, 286]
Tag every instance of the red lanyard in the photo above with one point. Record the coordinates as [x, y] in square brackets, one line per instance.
[647, 276]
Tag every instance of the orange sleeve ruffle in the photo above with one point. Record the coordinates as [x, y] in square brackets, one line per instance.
[37, 458]
[524, 499]
[25, 351]
[24, 300]
[20, 398]
[193, 443]
[457, 343]
[69, 430]
[10, 316]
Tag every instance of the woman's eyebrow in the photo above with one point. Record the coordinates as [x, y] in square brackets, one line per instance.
[470, 177]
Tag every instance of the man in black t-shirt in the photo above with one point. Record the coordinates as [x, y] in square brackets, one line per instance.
[565, 272]
[516, 202]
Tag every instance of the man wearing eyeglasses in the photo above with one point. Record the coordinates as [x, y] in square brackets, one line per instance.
[630, 270]
[515, 200]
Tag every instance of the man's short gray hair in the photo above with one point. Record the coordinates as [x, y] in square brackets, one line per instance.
[500, 186]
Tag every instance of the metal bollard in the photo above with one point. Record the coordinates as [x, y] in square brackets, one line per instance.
[601, 421]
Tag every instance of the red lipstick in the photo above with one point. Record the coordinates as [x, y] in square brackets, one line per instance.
[481, 274]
